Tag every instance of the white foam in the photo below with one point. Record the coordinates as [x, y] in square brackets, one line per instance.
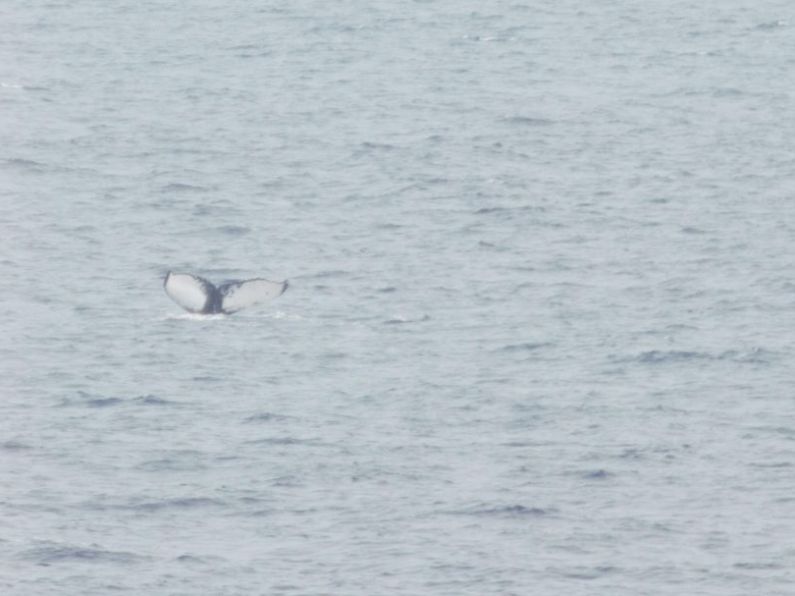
[189, 316]
[282, 315]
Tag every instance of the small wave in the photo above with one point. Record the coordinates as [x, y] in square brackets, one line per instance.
[265, 417]
[246, 55]
[769, 26]
[183, 503]
[490, 210]
[505, 511]
[789, 432]
[207, 379]
[389, 225]
[182, 187]
[488, 38]
[187, 559]
[7, 85]
[596, 475]
[522, 444]
[509, 210]
[757, 566]
[527, 346]
[279, 441]
[774, 465]
[49, 554]
[170, 465]
[287, 480]
[584, 573]
[727, 92]
[153, 400]
[14, 446]
[333, 273]
[402, 320]
[755, 356]
[103, 402]
[28, 164]
[93, 401]
[370, 146]
[233, 230]
[258, 513]
[663, 356]
[190, 559]
[528, 121]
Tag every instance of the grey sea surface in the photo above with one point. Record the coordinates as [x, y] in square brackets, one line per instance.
[539, 333]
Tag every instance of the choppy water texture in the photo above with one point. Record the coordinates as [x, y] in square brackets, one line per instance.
[538, 338]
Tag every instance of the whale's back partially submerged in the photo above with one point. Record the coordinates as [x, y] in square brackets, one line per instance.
[197, 295]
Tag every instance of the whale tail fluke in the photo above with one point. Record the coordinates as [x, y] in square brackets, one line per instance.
[197, 295]
[242, 294]
[193, 293]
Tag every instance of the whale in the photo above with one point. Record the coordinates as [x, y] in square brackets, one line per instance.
[198, 295]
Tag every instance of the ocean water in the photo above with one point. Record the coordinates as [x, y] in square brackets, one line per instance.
[538, 337]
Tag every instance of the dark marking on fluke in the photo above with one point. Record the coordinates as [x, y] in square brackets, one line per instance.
[198, 295]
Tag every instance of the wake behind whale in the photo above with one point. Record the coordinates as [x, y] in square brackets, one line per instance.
[197, 295]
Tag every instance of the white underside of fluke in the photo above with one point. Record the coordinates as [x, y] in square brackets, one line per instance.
[239, 295]
[197, 295]
[190, 292]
